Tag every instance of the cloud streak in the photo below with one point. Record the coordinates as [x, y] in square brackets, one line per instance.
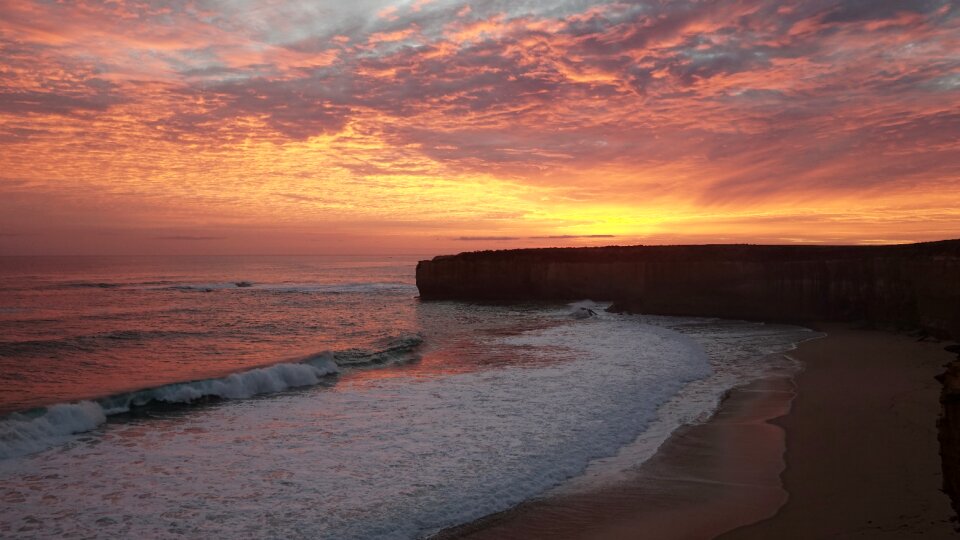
[550, 237]
[185, 238]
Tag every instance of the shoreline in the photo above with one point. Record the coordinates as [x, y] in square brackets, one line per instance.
[776, 460]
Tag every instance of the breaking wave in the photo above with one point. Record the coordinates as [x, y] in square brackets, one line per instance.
[304, 288]
[90, 285]
[27, 432]
[22, 433]
[389, 287]
[90, 342]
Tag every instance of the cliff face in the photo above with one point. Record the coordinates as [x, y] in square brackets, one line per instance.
[915, 285]
[948, 428]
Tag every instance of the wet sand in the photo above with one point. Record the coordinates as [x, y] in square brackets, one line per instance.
[862, 453]
[847, 449]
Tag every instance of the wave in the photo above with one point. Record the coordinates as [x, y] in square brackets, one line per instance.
[360, 288]
[200, 287]
[266, 380]
[90, 285]
[88, 342]
[24, 434]
[297, 288]
[28, 432]
[246, 285]
[392, 351]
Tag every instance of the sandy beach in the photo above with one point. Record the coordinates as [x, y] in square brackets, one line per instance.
[862, 453]
[847, 448]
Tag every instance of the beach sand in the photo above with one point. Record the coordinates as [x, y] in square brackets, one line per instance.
[846, 449]
[862, 453]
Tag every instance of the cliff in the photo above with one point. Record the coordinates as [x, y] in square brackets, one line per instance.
[948, 429]
[907, 286]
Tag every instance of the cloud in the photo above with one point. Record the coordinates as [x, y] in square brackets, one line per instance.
[572, 236]
[870, 10]
[187, 238]
[550, 237]
[453, 112]
[20, 103]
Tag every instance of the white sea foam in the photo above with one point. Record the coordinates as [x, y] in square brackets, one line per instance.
[266, 380]
[25, 433]
[739, 352]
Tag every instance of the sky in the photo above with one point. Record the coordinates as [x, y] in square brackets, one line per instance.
[436, 126]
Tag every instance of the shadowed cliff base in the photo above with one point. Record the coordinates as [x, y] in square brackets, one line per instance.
[948, 426]
[898, 286]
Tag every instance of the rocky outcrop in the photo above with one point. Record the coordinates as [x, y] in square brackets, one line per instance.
[915, 285]
[948, 431]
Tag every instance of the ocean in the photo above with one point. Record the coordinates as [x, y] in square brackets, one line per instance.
[318, 397]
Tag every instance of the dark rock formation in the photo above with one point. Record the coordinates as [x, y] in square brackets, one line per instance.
[948, 428]
[915, 285]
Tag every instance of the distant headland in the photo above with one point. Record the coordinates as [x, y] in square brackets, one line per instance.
[890, 286]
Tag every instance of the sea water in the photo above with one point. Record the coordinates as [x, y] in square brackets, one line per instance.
[317, 397]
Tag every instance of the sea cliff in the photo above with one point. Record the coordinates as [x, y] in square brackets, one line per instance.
[948, 429]
[901, 286]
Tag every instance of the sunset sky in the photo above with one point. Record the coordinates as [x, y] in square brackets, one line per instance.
[433, 126]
